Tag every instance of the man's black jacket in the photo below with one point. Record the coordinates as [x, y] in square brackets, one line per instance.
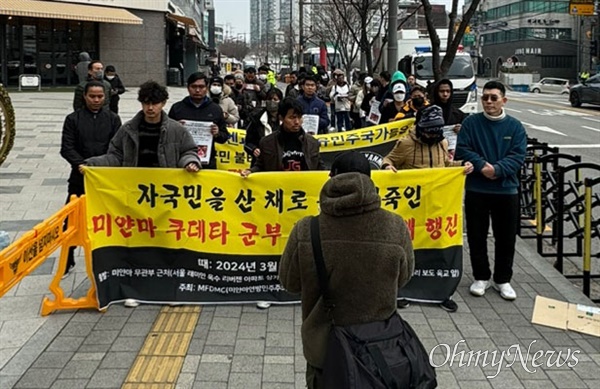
[208, 111]
[86, 134]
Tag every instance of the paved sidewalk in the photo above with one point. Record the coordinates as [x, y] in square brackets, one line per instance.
[236, 346]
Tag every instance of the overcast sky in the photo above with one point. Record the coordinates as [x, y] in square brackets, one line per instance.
[234, 15]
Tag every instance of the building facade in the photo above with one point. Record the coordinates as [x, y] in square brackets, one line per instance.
[531, 36]
[271, 20]
[152, 39]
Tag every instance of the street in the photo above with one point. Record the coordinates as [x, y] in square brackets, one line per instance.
[551, 119]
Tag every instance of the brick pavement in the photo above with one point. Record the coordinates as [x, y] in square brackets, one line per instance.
[236, 346]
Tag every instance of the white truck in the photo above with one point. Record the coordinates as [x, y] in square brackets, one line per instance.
[461, 73]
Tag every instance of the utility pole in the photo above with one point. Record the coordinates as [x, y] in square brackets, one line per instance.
[267, 55]
[392, 51]
[300, 33]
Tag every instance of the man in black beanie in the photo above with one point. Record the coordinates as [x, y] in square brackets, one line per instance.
[368, 255]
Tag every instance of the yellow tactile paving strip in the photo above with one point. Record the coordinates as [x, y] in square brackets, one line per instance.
[160, 360]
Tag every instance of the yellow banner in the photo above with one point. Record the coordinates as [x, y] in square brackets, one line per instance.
[222, 213]
[231, 155]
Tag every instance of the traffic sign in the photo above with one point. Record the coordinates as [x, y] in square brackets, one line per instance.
[581, 7]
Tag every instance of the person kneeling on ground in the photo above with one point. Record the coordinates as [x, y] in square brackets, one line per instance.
[368, 255]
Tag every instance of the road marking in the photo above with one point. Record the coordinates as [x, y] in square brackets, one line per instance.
[591, 128]
[161, 357]
[512, 110]
[592, 119]
[532, 102]
[543, 128]
[595, 146]
[572, 113]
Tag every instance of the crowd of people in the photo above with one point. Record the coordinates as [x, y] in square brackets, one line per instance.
[490, 146]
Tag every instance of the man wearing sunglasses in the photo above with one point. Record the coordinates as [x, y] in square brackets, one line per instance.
[495, 144]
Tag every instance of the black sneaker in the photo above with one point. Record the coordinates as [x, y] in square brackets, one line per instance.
[402, 303]
[449, 305]
[68, 270]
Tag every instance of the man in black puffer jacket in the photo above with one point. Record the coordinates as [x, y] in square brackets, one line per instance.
[86, 133]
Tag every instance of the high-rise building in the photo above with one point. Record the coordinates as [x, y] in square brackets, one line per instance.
[539, 36]
[272, 16]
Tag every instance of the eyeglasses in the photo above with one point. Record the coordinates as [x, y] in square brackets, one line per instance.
[490, 97]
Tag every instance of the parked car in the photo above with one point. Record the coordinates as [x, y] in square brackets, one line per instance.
[588, 92]
[550, 85]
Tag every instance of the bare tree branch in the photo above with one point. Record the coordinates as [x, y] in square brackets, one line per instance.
[440, 69]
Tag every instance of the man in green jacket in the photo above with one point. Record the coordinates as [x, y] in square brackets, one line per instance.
[363, 245]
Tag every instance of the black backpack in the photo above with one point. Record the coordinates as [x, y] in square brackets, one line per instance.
[378, 355]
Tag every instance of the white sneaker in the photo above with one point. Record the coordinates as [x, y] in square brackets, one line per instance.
[478, 288]
[506, 291]
[131, 303]
[263, 305]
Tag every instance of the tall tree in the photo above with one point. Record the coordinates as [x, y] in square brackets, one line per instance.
[454, 39]
[330, 28]
[372, 24]
[234, 49]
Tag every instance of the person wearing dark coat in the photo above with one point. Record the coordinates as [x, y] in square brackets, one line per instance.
[262, 123]
[199, 107]
[442, 97]
[86, 133]
[290, 148]
[117, 87]
[363, 246]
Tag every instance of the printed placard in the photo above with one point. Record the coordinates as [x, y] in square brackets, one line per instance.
[310, 123]
[200, 131]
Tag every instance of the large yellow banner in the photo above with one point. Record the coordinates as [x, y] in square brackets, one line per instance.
[166, 235]
[221, 212]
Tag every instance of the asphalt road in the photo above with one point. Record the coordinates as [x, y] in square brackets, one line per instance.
[551, 119]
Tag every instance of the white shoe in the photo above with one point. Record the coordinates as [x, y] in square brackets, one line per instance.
[263, 305]
[131, 303]
[478, 288]
[506, 291]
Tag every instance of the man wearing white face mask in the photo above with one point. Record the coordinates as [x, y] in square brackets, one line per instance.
[263, 76]
[116, 87]
[219, 93]
[95, 73]
[389, 111]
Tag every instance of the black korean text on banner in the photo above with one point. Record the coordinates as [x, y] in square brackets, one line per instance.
[161, 235]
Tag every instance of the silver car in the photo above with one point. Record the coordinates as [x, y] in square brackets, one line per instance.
[558, 86]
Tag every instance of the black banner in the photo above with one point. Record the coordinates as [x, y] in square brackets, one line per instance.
[164, 275]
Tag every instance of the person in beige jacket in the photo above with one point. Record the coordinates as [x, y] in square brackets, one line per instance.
[424, 146]
[367, 251]
[220, 94]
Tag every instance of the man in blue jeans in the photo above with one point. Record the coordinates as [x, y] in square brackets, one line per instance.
[495, 144]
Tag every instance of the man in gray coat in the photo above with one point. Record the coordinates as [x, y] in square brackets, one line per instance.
[148, 139]
[368, 255]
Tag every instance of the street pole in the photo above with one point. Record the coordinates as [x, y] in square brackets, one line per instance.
[300, 33]
[267, 55]
[578, 20]
[392, 51]
[291, 38]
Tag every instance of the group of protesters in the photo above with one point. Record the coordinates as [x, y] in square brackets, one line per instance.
[490, 147]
